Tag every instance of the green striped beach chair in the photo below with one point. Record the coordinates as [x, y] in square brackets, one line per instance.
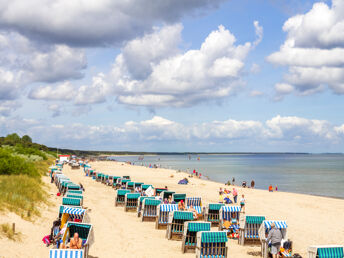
[130, 186]
[85, 232]
[120, 197]
[144, 187]
[189, 239]
[66, 253]
[140, 202]
[115, 181]
[248, 228]
[99, 177]
[175, 226]
[72, 186]
[163, 211]
[75, 192]
[123, 183]
[157, 191]
[177, 197]
[71, 201]
[212, 213]
[79, 196]
[166, 194]
[211, 244]
[326, 251]
[149, 209]
[130, 201]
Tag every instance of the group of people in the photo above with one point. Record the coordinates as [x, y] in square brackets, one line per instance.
[224, 197]
[243, 184]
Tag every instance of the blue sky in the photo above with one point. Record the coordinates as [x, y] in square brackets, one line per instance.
[203, 76]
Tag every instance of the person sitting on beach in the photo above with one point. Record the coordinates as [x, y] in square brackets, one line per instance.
[242, 203]
[227, 200]
[75, 242]
[165, 201]
[181, 205]
[193, 210]
[170, 201]
[271, 189]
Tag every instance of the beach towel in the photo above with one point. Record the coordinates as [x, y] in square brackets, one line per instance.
[183, 182]
[150, 191]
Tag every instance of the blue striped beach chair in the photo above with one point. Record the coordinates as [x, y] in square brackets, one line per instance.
[64, 206]
[232, 214]
[189, 239]
[265, 228]
[73, 213]
[196, 203]
[326, 251]
[120, 197]
[149, 209]
[211, 244]
[248, 230]
[130, 201]
[140, 202]
[71, 201]
[85, 232]
[163, 211]
[175, 226]
[66, 253]
[177, 197]
[212, 213]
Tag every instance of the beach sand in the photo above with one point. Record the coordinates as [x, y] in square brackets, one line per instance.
[311, 219]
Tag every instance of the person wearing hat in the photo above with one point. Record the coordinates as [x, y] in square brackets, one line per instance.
[275, 236]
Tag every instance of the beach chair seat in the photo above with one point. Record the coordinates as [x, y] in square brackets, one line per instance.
[71, 201]
[149, 209]
[328, 251]
[249, 227]
[66, 253]
[175, 227]
[212, 213]
[130, 186]
[120, 197]
[163, 211]
[189, 238]
[211, 244]
[130, 201]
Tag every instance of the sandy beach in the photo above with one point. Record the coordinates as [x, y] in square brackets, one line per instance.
[311, 219]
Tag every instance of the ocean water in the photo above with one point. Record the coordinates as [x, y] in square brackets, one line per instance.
[316, 174]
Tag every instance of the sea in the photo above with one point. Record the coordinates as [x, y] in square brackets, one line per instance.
[315, 174]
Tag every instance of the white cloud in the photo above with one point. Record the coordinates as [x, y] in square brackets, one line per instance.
[8, 106]
[64, 91]
[55, 109]
[314, 49]
[256, 93]
[101, 22]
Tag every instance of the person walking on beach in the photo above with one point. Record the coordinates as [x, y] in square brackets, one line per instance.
[275, 236]
[242, 203]
[233, 181]
[235, 195]
[252, 184]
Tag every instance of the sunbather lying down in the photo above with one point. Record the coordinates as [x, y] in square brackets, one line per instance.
[75, 243]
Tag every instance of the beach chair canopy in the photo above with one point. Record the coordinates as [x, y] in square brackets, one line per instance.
[122, 192]
[194, 201]
[145, 187]
[71, 201]
[183, 215]
[144, 197]
[73, 186]
[280, 224]
[168, 207]
[159, 190]
[199, 226]
[254, 219]
[132, 195]
[178, 197]
[131, 184]
[74, 210]
[74, 192]
[75, 196]
[66, 253]
[214, 237]
[215, 206]
[328, 251]
[152, 202]
[124, 181]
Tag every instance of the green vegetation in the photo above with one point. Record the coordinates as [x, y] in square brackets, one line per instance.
[22, 163]
[7, 231]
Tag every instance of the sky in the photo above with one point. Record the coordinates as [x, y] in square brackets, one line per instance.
[174, 75]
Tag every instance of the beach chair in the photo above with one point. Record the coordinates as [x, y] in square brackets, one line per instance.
[328, 251]
[177, 197]
[248, 229]
[79, 196]
[157, 191]
[73, 213]
[99, 177]
[166, 194]
[196, 203]
[85, 232]
[212, 213]
[211, 244]
[138, 185]
[66, 206]
[74, 192]
[139, 204]
[163, 211]
[175, 226]
[120, 197]
[149, 209]
[189, 239]
[71, 201]
[144, 187]
[123, 183]
[232, 214]
[130, 201]
[66, 253]
[72, 186]
[130, 186]
[114, 181]
[264, 231]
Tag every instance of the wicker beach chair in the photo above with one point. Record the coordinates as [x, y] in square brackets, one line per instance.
[140, 202]
[248, 229]
[177, 197]
[189, 239]
[130, 186]
[74, 192]
[211, 244]
[212, 213]
[115, 181]
[149, 209]
[157, 191]
[163, 211]
[123, 183]
[79, 196]
[328, 251]
[85, 232]
[264, 230]
[130, 201]
[196, 202]
[120, 197]
[175, 226]
[232, 214]
[74, 213]
[71, 201]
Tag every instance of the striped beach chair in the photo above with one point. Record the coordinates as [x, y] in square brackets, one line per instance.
[73, 213]
[326, 251]
[64, 206]
[72, 186]
[130, 201]
[120, 197]
[211, 244]
[189, 239]
[99, 177]
[130, 186]
[66, 253]
[115, 180]
[78, 196]
[149, 209]
[74, 192]
[177, 197]
[123, 183]
[248, 230]
[232, 214]
[140, 202]
[71, 201]
[196, 203]
[175, 226]
[166, 194]
[163, 211]
[212, 213]
[264, 230]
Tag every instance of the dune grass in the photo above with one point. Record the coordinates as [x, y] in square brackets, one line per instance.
[7, 231]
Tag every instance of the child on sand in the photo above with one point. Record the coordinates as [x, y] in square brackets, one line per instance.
[242, 203]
